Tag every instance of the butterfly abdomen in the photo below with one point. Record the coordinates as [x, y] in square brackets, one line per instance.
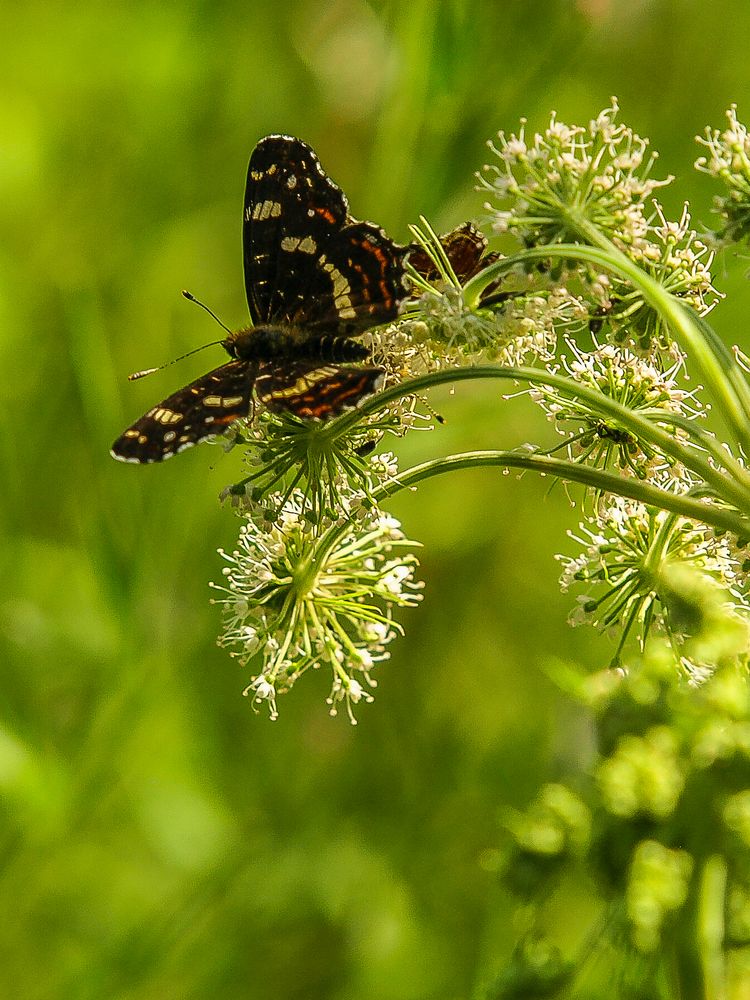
[266, 343]
[331, 348]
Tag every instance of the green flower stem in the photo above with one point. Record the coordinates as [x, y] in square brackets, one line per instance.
[711, 931]
[635, 489]
[628, 626]
[734, 492]
[718, 367]
[703, 439]
[699, 965]
[657, 548]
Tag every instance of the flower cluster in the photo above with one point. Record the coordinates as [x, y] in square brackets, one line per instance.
[643, 568]
[532, 323]
[673, 255]
[663, 817]
[330, 461]
[295, 599]
[633, 382]
[514, 322]
[728, 160]
[568, 176]
[581, 185]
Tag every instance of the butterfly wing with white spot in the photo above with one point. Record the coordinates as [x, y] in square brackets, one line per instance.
[307, 262]
[206, 406]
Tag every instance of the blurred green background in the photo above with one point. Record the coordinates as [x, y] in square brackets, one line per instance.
[159, 840]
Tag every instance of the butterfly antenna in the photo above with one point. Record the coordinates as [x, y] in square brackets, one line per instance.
[192, 298]
[430, 408]
[150, 371]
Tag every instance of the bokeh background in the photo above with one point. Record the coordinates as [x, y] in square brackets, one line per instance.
[159, 840]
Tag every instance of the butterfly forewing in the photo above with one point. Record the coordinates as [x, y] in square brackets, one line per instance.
[206, 406]
[307, 262]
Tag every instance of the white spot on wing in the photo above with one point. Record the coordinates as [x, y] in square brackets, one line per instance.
[164, 416]
[266, 209]
[294, 243]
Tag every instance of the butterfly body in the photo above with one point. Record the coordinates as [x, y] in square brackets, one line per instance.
[314, 278]
[272, 342]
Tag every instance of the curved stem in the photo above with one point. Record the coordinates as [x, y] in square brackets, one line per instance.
[716, 363]
[736, 493]
[703, 439]
[635, 489]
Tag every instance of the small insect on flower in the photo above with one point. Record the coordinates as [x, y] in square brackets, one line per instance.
[629, 569]
[314, 278]
[635, 383]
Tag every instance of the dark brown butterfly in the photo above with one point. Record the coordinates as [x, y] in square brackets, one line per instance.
[315, 277]
[466, 250]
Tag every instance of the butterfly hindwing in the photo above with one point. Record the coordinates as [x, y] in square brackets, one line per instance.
[206, 406]
[313, 389]
[307, 262]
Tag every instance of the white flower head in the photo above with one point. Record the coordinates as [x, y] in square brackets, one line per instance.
[632, 565]
[601, 170]
[294, 598]
[631, 380]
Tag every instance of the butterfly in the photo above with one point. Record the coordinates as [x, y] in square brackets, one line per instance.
[315, 278]
[465, 248]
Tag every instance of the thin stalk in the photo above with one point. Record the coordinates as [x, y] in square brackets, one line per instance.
[735, 493]
[716, 363]
[657, 548]
[703, 439]
[711, 931]
[635, 489]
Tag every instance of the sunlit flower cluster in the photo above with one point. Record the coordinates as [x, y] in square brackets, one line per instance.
[295, 599]
[567, 175]
[627, 569]
[329, 463]
[665, 799]
[674, 256]
[572, 184]
[532, 324]
[511, 325]
[523, 329]
[728, 160]
[631, 381]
